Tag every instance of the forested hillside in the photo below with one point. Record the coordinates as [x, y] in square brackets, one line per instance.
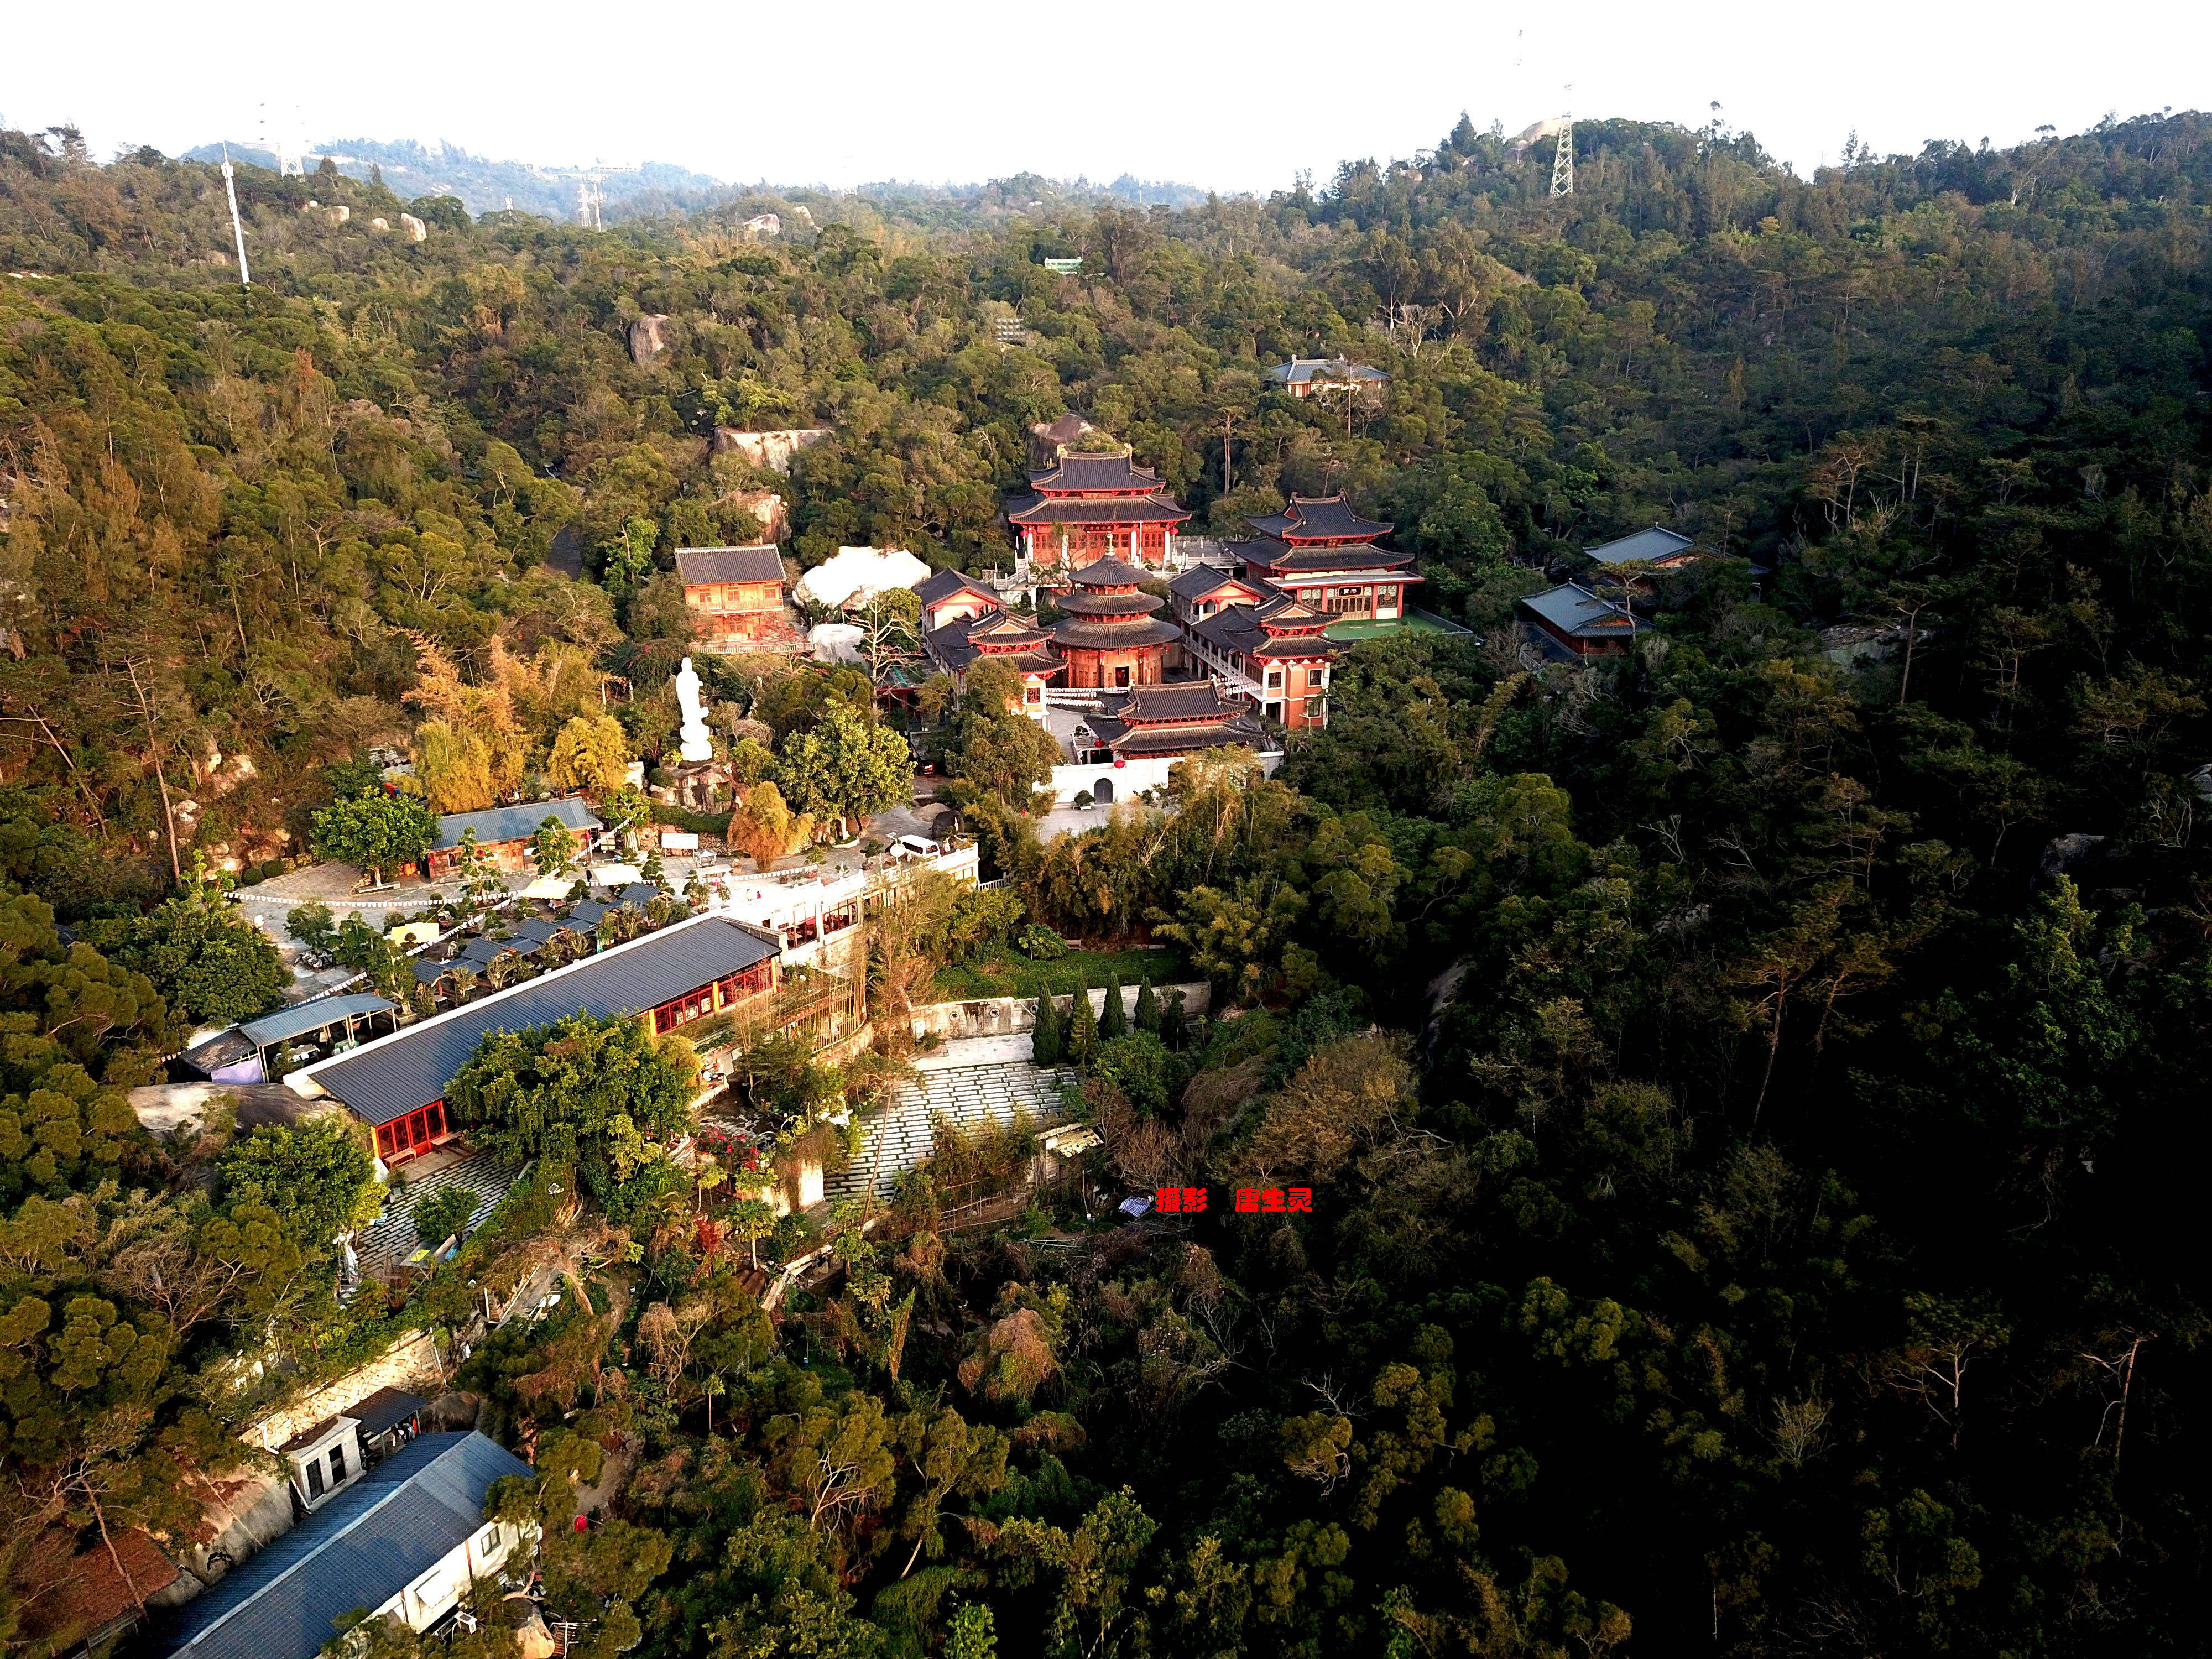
[1744, 1089]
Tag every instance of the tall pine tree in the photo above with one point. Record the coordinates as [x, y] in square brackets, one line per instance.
[1113, 1020]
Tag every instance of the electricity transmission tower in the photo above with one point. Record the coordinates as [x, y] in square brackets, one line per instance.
[1563, 158]
[590, 198]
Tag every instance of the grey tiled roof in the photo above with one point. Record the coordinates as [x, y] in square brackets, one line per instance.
[1202, 578]
[944, 584]
[1175, 703]
[1319, 518]
[499, 823]
[1096, 472]
[1101, 510]
[1109, 572]
[1129, 634]
[359, 1549]
[696, 566]
[1300, 370]
[1655, 542]
[402, 1073]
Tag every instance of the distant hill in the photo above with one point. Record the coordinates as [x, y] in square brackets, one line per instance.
[414, 169]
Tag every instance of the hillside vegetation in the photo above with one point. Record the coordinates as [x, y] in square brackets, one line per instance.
[1744, 1089]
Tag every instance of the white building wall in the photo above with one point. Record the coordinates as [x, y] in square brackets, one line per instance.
[1130, 779]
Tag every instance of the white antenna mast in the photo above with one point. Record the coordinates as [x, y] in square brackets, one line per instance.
[1563, 158]
[237, 225]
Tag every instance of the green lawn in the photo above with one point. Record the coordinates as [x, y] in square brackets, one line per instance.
[1010, 974]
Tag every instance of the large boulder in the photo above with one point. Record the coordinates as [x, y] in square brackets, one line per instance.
[648, 339]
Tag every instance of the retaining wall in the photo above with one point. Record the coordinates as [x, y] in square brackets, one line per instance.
[1009, 1016]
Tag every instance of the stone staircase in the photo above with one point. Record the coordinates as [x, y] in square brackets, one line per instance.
[962, 1095]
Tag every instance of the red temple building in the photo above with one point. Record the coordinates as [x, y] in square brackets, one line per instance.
[979, 628]
[1319, 550]
[1275, 652]
[1111, 637]
[1164, 722]
[1088, 506]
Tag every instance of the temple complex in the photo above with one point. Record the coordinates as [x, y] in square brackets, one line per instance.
[1086, 506]
[1111, 637]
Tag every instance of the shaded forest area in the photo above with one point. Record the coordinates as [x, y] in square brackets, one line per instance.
[1744, 1089]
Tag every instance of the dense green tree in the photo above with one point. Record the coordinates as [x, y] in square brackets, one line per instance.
[604, 1090]
[316, 1174]
[376, 831]
[207, 962]
[846, 767]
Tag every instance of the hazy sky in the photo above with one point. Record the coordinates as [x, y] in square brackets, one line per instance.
[1234, 97]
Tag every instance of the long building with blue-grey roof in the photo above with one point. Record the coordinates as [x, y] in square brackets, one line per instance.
[406, 1539]
[396, 1086]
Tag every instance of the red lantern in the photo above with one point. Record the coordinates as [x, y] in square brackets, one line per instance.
[1119, 764]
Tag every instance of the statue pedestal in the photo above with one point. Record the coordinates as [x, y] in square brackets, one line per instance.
[695, 783]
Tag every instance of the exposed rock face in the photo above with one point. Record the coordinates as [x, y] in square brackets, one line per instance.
[648, 339]
[415, 229]
[766, 506]
[772, 450]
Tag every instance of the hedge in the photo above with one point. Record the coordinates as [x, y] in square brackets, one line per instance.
[703, 823]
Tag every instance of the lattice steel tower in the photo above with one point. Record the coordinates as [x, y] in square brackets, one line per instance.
[1563, 158]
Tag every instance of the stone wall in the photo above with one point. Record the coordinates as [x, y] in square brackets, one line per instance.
[410, 1364]
[1009, 1016]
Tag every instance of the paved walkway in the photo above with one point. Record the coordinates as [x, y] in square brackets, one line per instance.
[981, 1084]
[391, 1237]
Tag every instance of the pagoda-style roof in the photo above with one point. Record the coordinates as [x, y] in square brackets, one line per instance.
[1111, 572]
[1103, 509]
[1291, 615]
[1021, 646]
[1241, 631]
[1095, 509]
[1157, 721]
[1155, 705]
[1288, 558]
[1319, 519]
[1129, 634]
[1082, 603]
[1075, 474]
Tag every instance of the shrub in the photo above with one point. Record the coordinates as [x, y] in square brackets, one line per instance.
[1042, 943]
[1139, 1065]
[272, 867]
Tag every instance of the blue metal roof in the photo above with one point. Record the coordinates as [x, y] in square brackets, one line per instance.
[514, 822]
[310, 1016]
[402, 1074]
[361, 1548]
[1657, 542]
